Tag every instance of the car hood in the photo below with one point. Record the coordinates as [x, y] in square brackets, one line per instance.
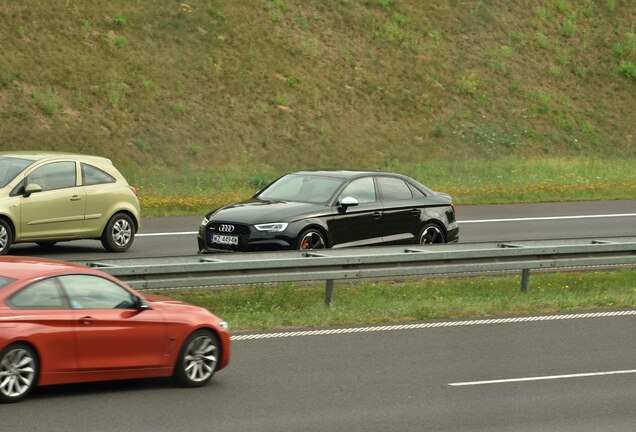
[166, 303]
[256, 211]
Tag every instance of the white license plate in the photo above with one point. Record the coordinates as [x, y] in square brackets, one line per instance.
[225, 239]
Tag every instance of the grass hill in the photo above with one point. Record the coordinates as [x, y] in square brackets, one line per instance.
[169, 86]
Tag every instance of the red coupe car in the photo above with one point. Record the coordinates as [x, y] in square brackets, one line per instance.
[63, 323]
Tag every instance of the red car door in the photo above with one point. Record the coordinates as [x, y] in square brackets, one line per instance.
[111, 332]
[118, 338]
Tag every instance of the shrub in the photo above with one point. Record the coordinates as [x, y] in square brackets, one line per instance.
[628, 68]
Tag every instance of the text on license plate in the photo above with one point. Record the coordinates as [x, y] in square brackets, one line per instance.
[225, 239]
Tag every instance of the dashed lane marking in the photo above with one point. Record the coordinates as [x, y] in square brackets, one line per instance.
[431, 325]
[542, 378]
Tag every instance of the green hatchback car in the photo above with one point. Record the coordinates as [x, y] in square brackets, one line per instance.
[47, 198]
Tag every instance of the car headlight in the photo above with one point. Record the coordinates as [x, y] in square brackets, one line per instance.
[225, 326]
[205, 221]
[272, 227]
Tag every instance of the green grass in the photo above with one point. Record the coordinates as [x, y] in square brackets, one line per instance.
[290, 305]
[315, 84]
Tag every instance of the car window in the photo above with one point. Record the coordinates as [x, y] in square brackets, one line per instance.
[394, 189]
[305, 188]
[416, 192]
[284, 188]
[43, 294]
[92, 176]
[362, 189]
[95, 292]
[10, 167]
[5, 281]
[55, 175]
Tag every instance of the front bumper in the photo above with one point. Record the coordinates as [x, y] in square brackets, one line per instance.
[249, 241]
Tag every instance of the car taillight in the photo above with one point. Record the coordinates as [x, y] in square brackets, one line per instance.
[134, 189]
[453, 208]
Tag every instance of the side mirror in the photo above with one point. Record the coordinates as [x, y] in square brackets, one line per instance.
[140, 304]
[32, 188]
[348, 202]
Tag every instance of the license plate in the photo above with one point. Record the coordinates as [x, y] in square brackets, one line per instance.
[225, 239]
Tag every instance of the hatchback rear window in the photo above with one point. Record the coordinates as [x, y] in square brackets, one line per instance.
[92, 175]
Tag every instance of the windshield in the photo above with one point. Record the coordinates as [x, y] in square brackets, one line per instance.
[11, 167]
[304, 188]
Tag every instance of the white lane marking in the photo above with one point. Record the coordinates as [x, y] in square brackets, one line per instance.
[427, 325]
[167, 234]
[548, 218]
[542, 378]
[529, 219]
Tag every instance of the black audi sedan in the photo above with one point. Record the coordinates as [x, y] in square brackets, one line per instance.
[332, 209]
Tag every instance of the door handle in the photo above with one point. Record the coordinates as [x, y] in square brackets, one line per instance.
[377, 215]
[87, 320]
[76, 198]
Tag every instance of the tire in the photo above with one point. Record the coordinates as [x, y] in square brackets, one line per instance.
[6, 237]
[311, 239]
[431, 233]
[19, 369]
[198, 359]
[119, 233]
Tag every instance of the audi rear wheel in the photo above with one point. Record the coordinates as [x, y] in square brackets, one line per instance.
[431, 234]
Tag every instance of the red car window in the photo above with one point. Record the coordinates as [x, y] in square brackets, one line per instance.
[43, 294]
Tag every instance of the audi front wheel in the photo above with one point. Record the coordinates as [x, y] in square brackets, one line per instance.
[311, 239]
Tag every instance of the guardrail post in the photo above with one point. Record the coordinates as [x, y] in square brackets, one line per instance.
[525, 280]
[329, 292]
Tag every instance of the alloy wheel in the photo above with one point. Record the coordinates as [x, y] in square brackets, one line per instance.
[200, 359]
[312, 240]
[4, 237]
[431, 234]
[18, 369]
[122, 232]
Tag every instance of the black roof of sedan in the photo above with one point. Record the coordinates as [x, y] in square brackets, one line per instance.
[343, 173]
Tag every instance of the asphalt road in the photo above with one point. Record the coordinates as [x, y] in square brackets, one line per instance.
[176, 236]
[555, 373]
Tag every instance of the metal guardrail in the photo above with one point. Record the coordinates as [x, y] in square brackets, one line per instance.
[358, 263]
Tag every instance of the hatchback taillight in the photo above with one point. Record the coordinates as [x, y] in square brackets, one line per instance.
[134, 189]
